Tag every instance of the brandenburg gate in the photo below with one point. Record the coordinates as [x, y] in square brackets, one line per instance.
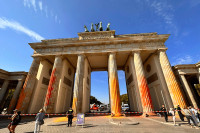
[60, 74]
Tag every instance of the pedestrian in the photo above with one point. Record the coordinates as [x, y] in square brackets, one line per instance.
[70, 116]
[198, 114]
[15, 119]
[172, 111]
[188, 115]
[164, 112]
[193, 113]
[180, 113]
[39, 120]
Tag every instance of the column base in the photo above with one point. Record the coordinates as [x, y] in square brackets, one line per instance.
[116, 115]
[148, 114]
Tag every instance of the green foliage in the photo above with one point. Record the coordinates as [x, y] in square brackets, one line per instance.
[94, 100]
[124, 98]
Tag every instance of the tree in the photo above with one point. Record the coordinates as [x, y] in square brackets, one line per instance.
[94, 100]
[124, 98]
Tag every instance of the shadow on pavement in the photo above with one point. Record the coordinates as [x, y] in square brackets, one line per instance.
[58, 125]
[89, 125]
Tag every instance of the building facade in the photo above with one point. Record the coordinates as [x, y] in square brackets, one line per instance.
[60, 74]
[10, 87]
[189, 77]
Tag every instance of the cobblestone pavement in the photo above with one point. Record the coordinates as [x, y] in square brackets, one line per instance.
[102, 124]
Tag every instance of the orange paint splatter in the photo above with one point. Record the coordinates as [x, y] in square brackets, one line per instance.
[115, 97]
[22, 95]
[74, 104]
[145, 95]
[50, 88]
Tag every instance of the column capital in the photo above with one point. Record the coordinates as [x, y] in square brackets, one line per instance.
[6, 80]
[113, 53]
[60, 56]
[136, 51]
[162, 49]
[37, 58]
[83, 55]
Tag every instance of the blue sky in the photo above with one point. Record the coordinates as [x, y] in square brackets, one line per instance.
[24, 21]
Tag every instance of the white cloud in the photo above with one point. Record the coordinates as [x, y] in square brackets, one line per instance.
[194, 2]
[46, 11]
[183, 60]
[40, 5]
[56, 18]
[165, 11]
[4, 23]
[29, 3]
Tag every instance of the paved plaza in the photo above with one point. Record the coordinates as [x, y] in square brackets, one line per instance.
[103, 124]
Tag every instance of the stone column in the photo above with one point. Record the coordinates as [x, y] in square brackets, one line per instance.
[78, 88]
[172, 84]
[114, 85]
[26, 92]
[198, 74]
[51, 96]
[163, 82]
[3, 89]
[16, 95]
[189, 92]
[142, 84]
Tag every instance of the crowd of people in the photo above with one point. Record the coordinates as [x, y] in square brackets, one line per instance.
[39, 120]
[192, 115]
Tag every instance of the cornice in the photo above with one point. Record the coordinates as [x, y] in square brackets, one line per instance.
[185, 66]
[117, 40]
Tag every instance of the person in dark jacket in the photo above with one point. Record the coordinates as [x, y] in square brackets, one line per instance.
[180, 113]
[164, 113]
[70, 116]
[15, 119]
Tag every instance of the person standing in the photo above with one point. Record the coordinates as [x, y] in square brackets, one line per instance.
[172, 111]
[187, 114]
[180, 113]
[39, 120]
[193, 115]
[164, 112]
[70, 116]
[15, 119]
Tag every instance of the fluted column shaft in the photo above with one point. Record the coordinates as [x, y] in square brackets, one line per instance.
[78, 88]
[142, 84]
[198, 75]
[15, 95]
[26, 92]
[114, 85]
[52, 91]
[3, 89]
[172, 84]
[189, 92]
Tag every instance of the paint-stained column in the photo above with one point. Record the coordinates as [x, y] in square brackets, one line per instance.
[142, 84]
[163, 83]
[114, 85]
[189, 92]
[16, 95]
[51, 96]
[172, 84]
[3, 89]
[26, 92]
[78, 88]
